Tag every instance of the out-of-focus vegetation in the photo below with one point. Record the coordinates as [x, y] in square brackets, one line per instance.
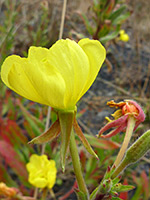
[24, 23]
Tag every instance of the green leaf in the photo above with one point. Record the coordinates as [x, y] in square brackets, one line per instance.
[92, 196]
[121, 18]
[117, 13]
[87, 24]
[109, 37]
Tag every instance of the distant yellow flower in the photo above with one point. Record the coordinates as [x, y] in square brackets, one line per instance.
[57, 77]
[123, 36]
[42, 172]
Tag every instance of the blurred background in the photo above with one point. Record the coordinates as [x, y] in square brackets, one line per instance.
[124, 75]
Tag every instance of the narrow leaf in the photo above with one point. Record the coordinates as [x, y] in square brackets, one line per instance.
[102, 143]
[123, 188]
[117, 13]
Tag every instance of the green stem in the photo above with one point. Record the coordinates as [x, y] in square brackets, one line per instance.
[77, 166]
[119, 169]
[129, 131]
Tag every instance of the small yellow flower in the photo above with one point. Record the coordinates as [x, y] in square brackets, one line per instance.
[57, 77]
[42, 172]
[123, 36]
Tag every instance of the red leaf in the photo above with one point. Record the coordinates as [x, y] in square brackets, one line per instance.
[69, 192]
[124, 195]
[145, 184]
[12, 159]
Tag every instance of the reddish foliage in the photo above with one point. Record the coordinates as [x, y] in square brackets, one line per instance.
[10, 132]
[145, 183]
[124, 195]
[11, 158]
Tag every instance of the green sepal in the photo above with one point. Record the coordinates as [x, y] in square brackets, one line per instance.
[116, 180]
[93, 194]
[81, 195]
[134, 153]
[47, 136]
[66, 121]
[83, 139]
[138, 148]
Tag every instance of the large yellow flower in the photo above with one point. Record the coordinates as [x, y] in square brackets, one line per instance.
[58, 76]
[42, 172]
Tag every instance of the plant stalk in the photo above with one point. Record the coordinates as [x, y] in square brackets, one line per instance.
[77, 166]
[129, 131]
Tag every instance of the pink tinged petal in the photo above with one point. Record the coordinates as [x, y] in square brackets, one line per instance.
[114, 132]
[112, 124]
[136, 125]
[141, 116]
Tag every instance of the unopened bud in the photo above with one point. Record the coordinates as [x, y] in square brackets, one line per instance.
[134, 153]
[139, 148]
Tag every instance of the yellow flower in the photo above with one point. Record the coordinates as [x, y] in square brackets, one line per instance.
[123, 36]
[58, 76]
[42, 172]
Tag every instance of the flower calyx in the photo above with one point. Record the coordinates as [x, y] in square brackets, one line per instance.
[63, 126]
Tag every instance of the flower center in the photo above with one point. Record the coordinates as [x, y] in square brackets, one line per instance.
[129, 108]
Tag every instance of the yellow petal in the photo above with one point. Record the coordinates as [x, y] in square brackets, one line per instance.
[96, 54]
[38, 182]
[72, 63]
[51, 177]
[45, 77]
[37, 164]
[13, 74]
